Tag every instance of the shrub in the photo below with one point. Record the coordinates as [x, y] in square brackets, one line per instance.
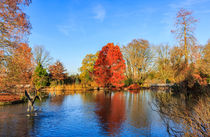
[134, 87]
[208, 80]
[128, 82]
[168, 81]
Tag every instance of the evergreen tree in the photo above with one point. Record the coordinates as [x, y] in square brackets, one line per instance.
[40, 77]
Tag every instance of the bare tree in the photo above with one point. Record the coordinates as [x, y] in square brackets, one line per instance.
[138, 57]
[185, 30]
[42, 56]
[164, 70]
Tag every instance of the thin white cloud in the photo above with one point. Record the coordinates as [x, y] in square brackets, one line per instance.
[99, 12]
[65, 29]
[70, 29]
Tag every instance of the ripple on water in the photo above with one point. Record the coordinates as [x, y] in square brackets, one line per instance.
[89, 114]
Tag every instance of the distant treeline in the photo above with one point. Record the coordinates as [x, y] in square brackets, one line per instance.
[186, 64]
[113, 67]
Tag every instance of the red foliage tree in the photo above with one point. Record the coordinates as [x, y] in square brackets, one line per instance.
[57, 71]
[110, 67]
[19, 68]
[22, 63]
[15, 69]
[14, 23]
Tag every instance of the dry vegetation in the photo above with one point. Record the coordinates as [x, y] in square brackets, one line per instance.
[191, 115]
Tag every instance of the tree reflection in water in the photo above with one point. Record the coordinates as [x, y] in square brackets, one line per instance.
[139, 113]
[57, 101]
[99, 113]
[184, 116]
[111, 111]
[122, 113]
[14, 117]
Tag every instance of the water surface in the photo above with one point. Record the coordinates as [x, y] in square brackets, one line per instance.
[85, 114]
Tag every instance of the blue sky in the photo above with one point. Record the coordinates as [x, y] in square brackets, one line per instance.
[70, 29]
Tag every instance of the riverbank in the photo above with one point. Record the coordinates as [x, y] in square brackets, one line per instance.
[7, 99]
[81, 88]
[74, 87]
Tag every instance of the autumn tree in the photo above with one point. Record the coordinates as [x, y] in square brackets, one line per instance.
[138, 58]
[109, 67]
[179, 67]
[40, 77]
[2, 70]
[199, 67]
[14, 29]
[57, 71]
[20, 66]
[42, 56]
[164, 71]
[86, 70]
[187, 75]
[14, 24]
[190, 71]
[185, 30]
[206, 59]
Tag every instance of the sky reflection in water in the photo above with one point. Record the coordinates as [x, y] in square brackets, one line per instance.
[85, 114]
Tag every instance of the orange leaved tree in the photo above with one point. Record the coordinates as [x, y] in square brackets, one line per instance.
[14, 24]
[110, 67]
[20, 67]
[57, 71]
[15, 55]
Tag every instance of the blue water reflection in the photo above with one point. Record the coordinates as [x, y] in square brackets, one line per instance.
[85, 114]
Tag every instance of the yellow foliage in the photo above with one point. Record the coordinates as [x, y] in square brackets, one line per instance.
[87, 67]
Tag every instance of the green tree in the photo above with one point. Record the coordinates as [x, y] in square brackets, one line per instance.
[40, 77]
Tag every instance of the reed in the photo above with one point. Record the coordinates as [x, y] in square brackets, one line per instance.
[72, 87]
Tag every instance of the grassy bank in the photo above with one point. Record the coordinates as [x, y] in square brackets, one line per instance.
[74, 87]
[83, 88]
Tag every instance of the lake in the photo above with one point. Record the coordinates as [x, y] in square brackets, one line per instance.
[91, 114]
